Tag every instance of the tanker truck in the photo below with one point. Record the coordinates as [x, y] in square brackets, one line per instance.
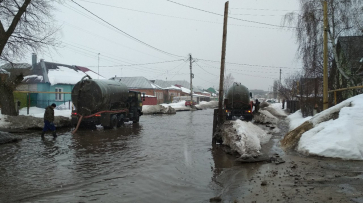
[237, 103]
[105, 102]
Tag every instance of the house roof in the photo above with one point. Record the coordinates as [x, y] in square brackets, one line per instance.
[8, 66]
[56, 73]
[137, 82]
[3, 71]
[182, 83]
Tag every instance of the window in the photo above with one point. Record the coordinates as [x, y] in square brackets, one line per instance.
[58, 96]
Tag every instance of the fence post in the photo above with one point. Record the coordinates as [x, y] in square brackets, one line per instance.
[69, 104]
[28, 103]
[335, 97]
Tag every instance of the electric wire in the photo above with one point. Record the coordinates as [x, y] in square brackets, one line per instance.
[250, 21]
[125, 33]
[176, 17]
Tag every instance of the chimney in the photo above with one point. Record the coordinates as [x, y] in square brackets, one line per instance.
[34, 60]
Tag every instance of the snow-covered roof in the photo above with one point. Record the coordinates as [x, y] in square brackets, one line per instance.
[173, 87]
[55, 73]
[8, 66]
[38, 78]
[136, 82]
[3, 71]
[185, 90]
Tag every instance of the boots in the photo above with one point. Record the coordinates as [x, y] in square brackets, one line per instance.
[42, 135]
[54, 134]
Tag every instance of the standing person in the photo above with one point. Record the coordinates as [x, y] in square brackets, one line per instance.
[48, 120]
[257, 105]
[283, 104]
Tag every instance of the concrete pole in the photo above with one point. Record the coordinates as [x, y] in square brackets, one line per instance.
[325, 76]
[224, 43]
[191, 80]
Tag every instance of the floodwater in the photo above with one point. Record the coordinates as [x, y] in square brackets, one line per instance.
[164, 158]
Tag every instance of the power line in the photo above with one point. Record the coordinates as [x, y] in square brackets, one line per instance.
[204, 69]
[250, 21]
[261, 9]
[245, 64]
[142, 63]
[176, 17]
[130, 36]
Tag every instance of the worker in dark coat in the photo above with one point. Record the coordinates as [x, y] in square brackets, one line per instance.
[257, 106]
[49, 119]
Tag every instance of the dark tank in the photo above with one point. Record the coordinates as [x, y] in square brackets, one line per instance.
[237, 103]
[92, 96]
[105, 102]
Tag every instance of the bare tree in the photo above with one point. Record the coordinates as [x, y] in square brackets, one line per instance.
[227, 83]
[290, 87]
[344, 18]
[25, 25]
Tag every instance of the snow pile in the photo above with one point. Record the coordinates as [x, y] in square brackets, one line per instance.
[264, 116]
[39, 112]
[276, 109]
[296, 119]
[246, 138]
[157, 109]
[207, 105]
[3, 122]
[339, 138]
[179, 106]
[65, 106]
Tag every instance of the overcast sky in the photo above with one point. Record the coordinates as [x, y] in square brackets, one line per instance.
[178, 30]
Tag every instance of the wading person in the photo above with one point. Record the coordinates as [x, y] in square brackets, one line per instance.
[48, 120]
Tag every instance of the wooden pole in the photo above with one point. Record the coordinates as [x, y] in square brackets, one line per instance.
[325, 76]
[335, 98]
[224, 43]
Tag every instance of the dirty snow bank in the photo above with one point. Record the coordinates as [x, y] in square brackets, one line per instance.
[245, 138]
[339, 138]
[180, 106]
[264, 116]
[207, 105]
[296, 119]
[3, 122]
[276, 109]
[39, 112]
[157, 109]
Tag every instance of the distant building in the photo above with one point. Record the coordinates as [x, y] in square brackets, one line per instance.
[142, 85]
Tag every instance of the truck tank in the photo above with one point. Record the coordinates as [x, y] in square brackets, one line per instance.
[90, 96]
[238, 96]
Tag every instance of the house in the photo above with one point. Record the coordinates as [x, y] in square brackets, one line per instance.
[48, 78]
[142, 85]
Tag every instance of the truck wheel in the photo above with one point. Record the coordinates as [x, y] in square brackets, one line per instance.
[137, 118]
[113, 121]
[120, 122]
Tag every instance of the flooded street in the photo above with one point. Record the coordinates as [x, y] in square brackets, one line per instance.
[161, 159]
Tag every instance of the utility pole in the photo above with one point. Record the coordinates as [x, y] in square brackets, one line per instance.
[223, 58]
[279, 86]
[325, 76]
[98, 66]
[191, 80]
